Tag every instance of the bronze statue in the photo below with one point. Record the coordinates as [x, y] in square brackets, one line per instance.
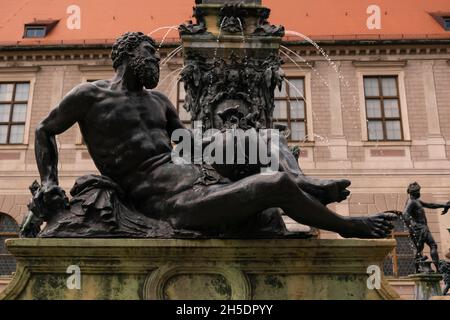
[444, 268]
[141, 192]
[417, 223]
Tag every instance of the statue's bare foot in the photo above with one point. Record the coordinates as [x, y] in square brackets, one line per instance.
[372, 227]
[327, 191]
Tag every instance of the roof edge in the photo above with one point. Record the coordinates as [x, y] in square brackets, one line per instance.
[99, 46]
[373, 42]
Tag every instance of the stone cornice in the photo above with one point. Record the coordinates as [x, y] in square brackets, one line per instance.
[78, 54]
[380, 64]
[16, 69]
[95, 68]
[301, 64]
[373, 50]
[333, 50]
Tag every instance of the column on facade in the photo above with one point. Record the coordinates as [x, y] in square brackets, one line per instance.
[435, 140]
[338, 142]
[444, 224]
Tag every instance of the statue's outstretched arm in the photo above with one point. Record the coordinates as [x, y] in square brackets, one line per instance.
[434, 205]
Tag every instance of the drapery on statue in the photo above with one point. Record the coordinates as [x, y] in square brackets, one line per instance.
[417, 223]
[142, 193]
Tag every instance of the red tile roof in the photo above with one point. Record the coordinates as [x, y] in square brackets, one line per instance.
[103, 20]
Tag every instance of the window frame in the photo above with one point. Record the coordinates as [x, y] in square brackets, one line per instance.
[8, 234]
[394, 255]
[367, 71]
[34, 28]
[11, 103]
[446, 23]
[288, 100]
[381, 97]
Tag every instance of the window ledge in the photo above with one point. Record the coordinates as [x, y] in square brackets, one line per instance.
[380, 63]
[19, 69]
[96, 68]
[5, 278]
[402, 279]
[387, 143]
[302, 143]
[80, 146]
[11, 147]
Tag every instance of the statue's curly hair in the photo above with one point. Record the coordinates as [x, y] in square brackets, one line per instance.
[126, 43]
[413, 187]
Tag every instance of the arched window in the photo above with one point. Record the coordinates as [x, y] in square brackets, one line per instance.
[8, 229]
[400, 262]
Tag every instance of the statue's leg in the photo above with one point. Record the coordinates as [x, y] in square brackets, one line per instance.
[433, 249]
[417, 247]
[420, 246]
[326, 191]
[235, 203]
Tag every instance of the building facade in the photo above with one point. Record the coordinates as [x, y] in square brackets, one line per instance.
[371, 105]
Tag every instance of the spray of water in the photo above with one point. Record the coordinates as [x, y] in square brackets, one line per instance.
[315, 71]
[177, 71]
[291, 85]
[216, 51]
[165, 37]
[171, 55]
[325, 82]
[322, 52]
[163, 28]
[173, 84]
[334, 66]
[243, 37]
[245, 45]
[331, 63]
[303, 60]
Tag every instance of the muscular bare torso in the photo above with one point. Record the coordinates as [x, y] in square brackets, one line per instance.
[122, 130]
[416, 211]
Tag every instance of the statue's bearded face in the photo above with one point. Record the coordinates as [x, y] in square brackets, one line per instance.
[145, 64]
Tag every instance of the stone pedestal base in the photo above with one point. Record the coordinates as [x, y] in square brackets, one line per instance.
[197, 269]
[443, 298]
[426, 286]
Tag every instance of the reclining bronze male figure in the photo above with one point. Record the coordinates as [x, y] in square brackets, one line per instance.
[127, 129]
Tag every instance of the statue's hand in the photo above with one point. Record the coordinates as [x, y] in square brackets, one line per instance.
[31, 226]
[446, 208]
